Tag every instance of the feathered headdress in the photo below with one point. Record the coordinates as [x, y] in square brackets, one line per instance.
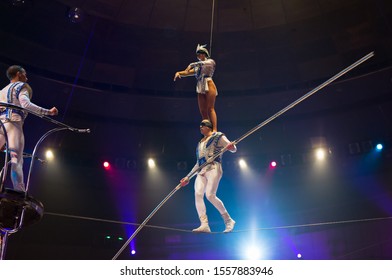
[202, 49]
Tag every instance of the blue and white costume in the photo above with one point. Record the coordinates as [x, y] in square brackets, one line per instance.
[204, 70]
[207, 180]
[19, 94]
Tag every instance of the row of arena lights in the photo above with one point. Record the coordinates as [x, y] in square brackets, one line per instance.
[150, 162]
[320, 154]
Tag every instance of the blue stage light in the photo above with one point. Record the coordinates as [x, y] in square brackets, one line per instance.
[379, 147]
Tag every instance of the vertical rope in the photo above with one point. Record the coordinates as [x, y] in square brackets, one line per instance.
[190, 175]
[212, 25]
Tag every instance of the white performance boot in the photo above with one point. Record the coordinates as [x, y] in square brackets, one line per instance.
[204, 227]
[229, 222]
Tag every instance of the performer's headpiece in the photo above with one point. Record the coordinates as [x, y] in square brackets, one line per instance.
[206, 123]
[202, 49]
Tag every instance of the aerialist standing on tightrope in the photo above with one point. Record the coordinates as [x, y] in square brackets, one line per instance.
[206, 90]
[207, 180]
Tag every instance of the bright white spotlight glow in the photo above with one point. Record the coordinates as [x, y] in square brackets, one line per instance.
[151, 163]
[273, 164]
[106, 164]
[133, 252]
[242, 163]
[379, 147]
[49, 155]
[253, 252]
[299, 256]
[320, 154]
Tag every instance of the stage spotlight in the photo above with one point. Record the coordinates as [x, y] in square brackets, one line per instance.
[318, 141]
[320, 154]
[253, 253]
[133, 252]
[151, 163]
[49, 155]
[379, 147]
[299, 256]
[75, 15]
[106, 164]
[242, 163]
[273, 164]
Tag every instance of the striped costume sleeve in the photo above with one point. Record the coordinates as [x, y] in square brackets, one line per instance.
[24, 99]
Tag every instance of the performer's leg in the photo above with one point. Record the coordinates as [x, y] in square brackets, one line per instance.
[202, 101]
[213, 178]
[210, 105]
[2, 145]
[199, 195]
[16, 146]
[2, 142]
[200, 186]
[2, 138]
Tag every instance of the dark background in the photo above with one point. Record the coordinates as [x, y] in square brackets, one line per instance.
[113, 73]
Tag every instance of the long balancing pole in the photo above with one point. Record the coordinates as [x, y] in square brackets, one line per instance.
[285, 109]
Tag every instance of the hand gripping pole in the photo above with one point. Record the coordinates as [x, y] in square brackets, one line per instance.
[296, 102]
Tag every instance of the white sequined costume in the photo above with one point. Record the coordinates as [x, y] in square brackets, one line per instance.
[204, 70]
[207, 180]
[19, 94]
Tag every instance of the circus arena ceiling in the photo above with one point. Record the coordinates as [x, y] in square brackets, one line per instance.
[111, 70]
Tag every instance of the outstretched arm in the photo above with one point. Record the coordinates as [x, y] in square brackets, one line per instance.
[25, 102]
[189, 71]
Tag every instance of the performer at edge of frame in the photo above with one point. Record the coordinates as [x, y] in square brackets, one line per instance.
[207, 180]
[206, 90]
[19, 93]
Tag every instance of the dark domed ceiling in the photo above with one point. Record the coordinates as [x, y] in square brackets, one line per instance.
[259, 45]
[117, 64]
[113, 72]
